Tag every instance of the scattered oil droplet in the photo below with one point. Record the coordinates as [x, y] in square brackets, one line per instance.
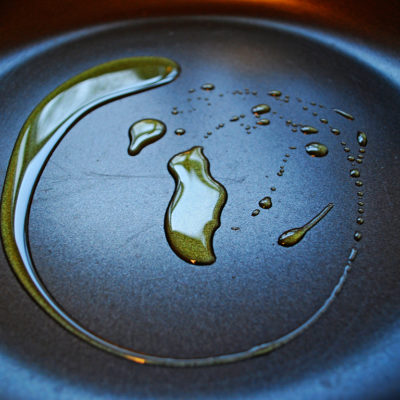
[360, 220]
[242, 115]
[180, 131]
[144, 132]
[265, 203]
[343, 114]
[359, 183]
[255, 212]
[189, 233]
[254, 92]
[234, 118]
[221, 125]
[353, 254]
[355, 173]
[361, 203]
[362, 138]
[280, 173]
[273, 188]
[362, 150]
[315, 114]
[263, 121]
[357, 236]
[360, 156]
[359, 160]
[261, 109]
[351, 158]
[346, 149]
[289, 122]
[307, 130]
[248, 127]
[275, 93]
[292, 147]
[335, 131]
[235, 228]
[174, 112]
[313, 103]
[343, 143]
[316, 149]
[209, 133]
[324, 120]
[207, 86]
[293, 236]
[360, 194]
[360, 211]
[287, 155]
[305, 108]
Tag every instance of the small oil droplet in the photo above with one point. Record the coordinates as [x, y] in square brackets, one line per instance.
[362, 150]
[293, 236]
[261, 109]
[359, 183]
[360, 220]
[355, 173]
[324, 120]
[346, 149]
[353, 254]
[357, 236]
[255, 212]
[235, 228]
[180, 131]
[316, 149]
[265, 203]
[360, 194]
[307, 130]
[144, 132]
[263, 121]
[174, 112]
[273, 188]
[362, 138]
[335, 131]
[343, 114]
[207, 86]
[234, 118]
[351, 158]
[275, 93]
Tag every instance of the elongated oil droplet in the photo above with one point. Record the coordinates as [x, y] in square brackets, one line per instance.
[316, 149]
[144, 132]
[293, 236]
[308, 130]
[353, 254]
[265, 203]
[261, 109]
[343, 114]
[45, 127]
[362, 138]
[193, 214]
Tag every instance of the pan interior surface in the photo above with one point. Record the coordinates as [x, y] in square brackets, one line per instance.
[96, 225]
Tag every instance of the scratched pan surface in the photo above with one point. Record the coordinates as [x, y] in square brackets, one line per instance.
[96, 222]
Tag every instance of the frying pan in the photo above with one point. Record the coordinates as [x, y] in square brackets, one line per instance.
[96, 219]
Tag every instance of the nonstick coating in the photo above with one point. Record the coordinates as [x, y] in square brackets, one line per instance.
[96, 223]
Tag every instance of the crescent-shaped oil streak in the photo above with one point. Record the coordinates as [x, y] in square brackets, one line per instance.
[41, 133]
[193, 214]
